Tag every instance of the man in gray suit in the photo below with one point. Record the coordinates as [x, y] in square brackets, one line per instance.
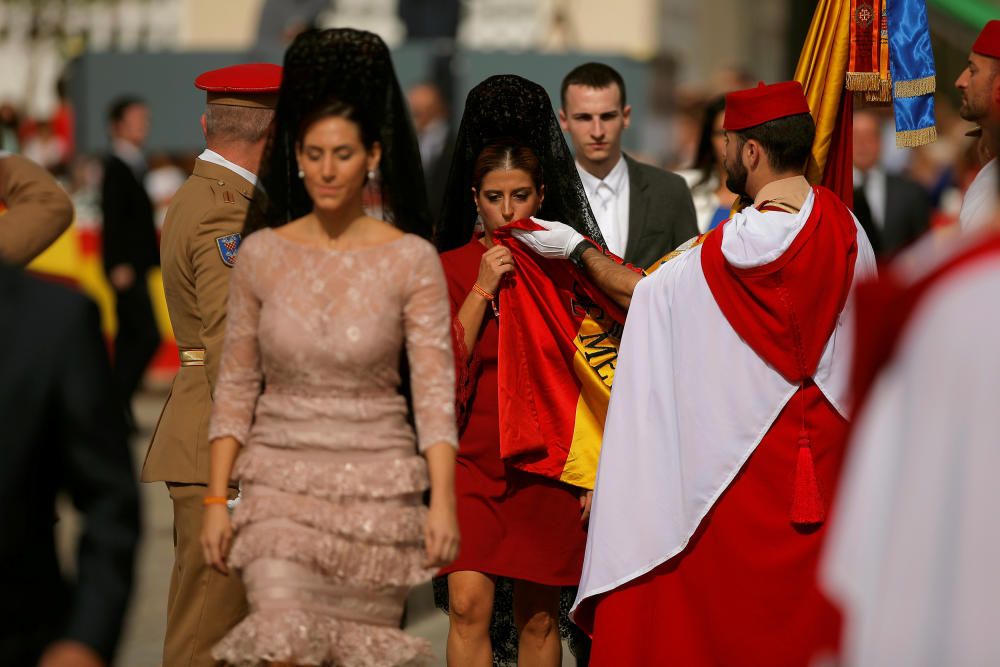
[893, 210]
[643, 212]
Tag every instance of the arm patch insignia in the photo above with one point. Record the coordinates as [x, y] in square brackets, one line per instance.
[228, 246]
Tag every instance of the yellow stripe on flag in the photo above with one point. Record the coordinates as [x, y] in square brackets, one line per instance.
[592, 405]
[821, 71]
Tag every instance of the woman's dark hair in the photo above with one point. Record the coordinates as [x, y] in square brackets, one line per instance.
[787, 141]
[704, 161]
[344, 73]
[337, 109]
[507, 110]
[118, 107]
[507, 154]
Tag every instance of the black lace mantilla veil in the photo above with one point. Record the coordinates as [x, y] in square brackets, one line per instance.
[354, 67]
[512, 107]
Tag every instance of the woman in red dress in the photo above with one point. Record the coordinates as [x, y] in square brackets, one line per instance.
[514, 525]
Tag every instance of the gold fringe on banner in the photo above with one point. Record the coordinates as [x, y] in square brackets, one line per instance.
[883, 94]
[914, 138]
[916, 87]
[861, 81]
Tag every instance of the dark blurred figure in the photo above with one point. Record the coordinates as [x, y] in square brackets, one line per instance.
[130, 248]
[63, 432]
[10, 128]
[430, 118]
[707, 178]
[893, 210]
[37, 210]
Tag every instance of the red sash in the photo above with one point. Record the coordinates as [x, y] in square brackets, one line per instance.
[787, 310]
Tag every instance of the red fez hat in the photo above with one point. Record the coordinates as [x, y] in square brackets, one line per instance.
[988, 42]
[751, 107]
[249, 85]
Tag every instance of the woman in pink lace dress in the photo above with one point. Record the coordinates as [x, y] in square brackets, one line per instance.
[331, 531]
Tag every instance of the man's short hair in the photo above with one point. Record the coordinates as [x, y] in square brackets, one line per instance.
[593, 75]
[232, 123]
[787, 141]
[117, 109]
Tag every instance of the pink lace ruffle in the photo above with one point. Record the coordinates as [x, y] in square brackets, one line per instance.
[305, 638]
[343, 560]
[369, 523]
[333, 480]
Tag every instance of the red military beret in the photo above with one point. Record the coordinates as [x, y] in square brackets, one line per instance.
[249, 85]
[747, 108]
[988, 42]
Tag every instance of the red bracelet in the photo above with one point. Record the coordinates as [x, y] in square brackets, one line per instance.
[482, 292]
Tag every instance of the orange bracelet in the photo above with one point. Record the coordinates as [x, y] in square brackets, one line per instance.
[482, 292]
[214, 500]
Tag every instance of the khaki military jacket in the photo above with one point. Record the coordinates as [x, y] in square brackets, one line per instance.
[36, 209]
[200, 237]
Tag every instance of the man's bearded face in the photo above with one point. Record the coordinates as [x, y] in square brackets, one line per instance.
[977, 85]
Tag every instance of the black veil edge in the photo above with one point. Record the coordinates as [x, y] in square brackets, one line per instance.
[512, 107]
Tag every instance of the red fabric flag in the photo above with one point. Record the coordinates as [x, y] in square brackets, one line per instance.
[558, 346]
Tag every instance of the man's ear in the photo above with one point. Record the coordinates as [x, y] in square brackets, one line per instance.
[563, 120]
[752, 151]
[204, 126]
[627, 116]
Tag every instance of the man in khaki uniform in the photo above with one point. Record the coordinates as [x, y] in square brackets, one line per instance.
[34, 210]
[201, 236]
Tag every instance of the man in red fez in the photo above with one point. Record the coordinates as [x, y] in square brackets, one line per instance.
[914, 544]
[201, 236]
[723, 440]
[979, 84]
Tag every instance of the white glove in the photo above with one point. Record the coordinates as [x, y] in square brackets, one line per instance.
[555, 241]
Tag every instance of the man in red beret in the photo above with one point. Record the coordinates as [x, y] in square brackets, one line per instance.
[201, 236]
[913, 547]
[723, 439]
[979, 84]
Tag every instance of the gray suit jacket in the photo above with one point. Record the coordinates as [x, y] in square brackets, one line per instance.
[661, 213]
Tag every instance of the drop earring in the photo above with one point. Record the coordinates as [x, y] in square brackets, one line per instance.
[302, 174]
[371, 175]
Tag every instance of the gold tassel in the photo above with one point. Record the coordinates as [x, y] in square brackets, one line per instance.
[883, 94]
[916, 87]
[861, 81]
[914, 138]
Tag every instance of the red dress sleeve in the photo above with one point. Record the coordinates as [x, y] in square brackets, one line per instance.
[467, 362]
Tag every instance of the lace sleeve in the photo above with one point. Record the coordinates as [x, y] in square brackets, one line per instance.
[238, 384]
[428, 346]
[467, 366]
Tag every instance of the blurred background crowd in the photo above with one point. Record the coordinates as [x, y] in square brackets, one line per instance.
[66, 62]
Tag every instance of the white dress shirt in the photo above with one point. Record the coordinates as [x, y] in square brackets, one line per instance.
[211, 156]
[874, 182]
[609, 202]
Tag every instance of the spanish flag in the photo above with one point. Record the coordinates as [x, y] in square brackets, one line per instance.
[558, 347]
[879, 49]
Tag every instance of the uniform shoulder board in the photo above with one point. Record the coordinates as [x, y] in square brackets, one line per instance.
[228, 246]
